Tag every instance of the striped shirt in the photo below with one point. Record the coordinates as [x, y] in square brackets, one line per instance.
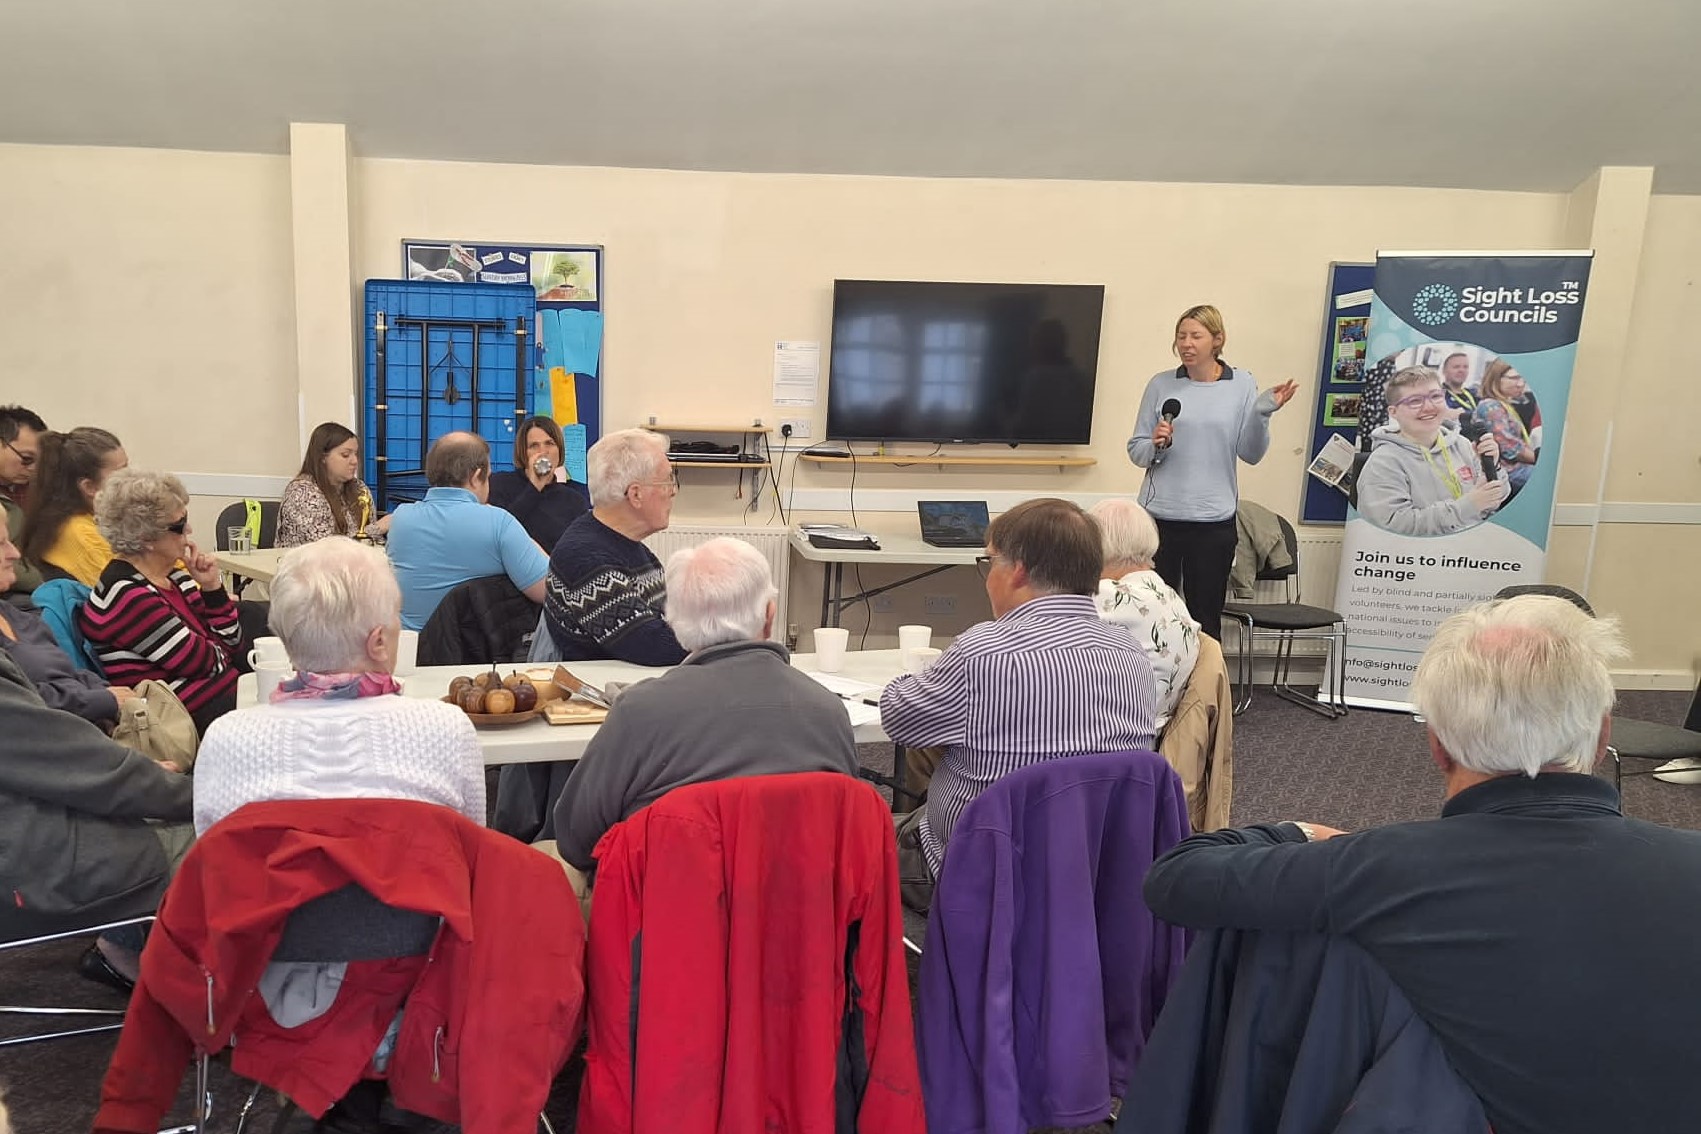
[1048, 679]
[188, 640]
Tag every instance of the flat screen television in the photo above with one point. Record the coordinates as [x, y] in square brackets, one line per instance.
[970, 362]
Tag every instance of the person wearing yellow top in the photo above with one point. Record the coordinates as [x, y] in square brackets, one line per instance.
[59, 528]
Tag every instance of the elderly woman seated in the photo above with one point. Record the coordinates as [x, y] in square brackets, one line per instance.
[160, 610]
[31, 644]
[339, 729]
[1133, 594]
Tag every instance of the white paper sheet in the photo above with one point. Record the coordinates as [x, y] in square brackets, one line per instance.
[797, 371]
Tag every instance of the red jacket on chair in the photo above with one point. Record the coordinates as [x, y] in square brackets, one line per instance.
[754, 925]
[492, 1011]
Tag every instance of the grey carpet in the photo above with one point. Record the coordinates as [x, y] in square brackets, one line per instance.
[1370, 768]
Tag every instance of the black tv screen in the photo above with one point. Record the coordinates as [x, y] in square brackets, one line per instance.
[1012, 363]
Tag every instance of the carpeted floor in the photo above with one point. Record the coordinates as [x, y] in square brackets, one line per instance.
[1368, 769]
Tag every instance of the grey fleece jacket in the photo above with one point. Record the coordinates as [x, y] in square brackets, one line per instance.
[73, 811]
[737, 709]
[1403, 491]
[1196, 478]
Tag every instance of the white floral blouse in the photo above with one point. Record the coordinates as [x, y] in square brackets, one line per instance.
[1148, 606]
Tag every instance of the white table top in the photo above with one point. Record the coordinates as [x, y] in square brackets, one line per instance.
[260, 564]
[536, 740]
[893, 549]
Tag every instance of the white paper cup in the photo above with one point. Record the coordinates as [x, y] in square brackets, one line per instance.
[917, 659]
[267, 677]
[267, 650]
[915, 637]
[407, 653]
[830, 645]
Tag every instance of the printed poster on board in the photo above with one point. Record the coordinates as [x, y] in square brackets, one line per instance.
[1456, 497]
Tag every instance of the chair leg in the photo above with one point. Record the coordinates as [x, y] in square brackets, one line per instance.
[1243, 663]
[543, 1121]
[1284, 690]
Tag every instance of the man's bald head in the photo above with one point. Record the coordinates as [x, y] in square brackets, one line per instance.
[456, 460]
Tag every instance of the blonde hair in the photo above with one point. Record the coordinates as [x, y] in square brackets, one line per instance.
[1519, 684]
[1496, 373]
[1209, 318]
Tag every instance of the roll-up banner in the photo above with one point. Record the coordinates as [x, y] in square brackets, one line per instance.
[1455, 500]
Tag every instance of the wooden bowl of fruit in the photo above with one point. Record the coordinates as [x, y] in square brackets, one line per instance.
[491, 699]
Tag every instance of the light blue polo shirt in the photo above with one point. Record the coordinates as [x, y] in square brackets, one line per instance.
[448, 538]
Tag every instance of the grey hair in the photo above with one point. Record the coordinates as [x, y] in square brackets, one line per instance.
[620, 460]
[718, 592]
[1519, 684]
[327, 599]
[1405, 377]
[133, 507]
[1130, 534]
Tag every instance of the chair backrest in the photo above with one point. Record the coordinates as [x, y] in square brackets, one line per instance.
[1044, 971]
[1552, 590]
[351, 925]
[260, 517]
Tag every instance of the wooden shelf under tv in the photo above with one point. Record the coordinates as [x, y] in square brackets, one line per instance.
[941, 460]
[663, 428]
[717, 464]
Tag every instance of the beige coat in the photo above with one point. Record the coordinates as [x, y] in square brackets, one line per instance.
[1199, 740]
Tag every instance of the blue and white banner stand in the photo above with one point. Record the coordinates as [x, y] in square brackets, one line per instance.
[1502, 327]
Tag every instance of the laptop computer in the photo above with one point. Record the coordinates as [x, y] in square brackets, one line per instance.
[953, 523]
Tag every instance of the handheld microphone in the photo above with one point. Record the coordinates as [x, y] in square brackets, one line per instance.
[1473, 431]
[1170, 411]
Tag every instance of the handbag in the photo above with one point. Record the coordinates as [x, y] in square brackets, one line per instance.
[155, 723]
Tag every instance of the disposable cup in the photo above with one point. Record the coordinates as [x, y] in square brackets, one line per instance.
[830, 645]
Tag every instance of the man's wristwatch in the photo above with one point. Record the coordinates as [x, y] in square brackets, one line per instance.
[1305, 829]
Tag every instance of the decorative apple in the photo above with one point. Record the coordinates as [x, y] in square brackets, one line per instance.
[513, 680]
[499, 701]
[525, 697]
[458, 686]
[472, 700]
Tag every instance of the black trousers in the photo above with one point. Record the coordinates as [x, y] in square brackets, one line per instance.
[1195, 558]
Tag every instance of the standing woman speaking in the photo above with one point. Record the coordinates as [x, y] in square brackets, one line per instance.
[1194, 423]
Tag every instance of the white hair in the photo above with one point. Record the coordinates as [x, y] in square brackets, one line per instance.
[327, 599]
[1519, 684]
[620, 460]
[133, 507]
[718, 592]
[1129, 532]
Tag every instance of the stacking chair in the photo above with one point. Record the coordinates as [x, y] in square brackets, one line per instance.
[71, 1014]
[260, 517]
[1287, 621]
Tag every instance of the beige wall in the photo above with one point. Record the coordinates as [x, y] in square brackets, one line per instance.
[154, 292]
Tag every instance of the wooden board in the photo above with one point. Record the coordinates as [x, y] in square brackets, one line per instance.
[573, 713]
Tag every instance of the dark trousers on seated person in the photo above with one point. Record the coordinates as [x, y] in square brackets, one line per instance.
[1195, 558]
[915, 880]
[919, 766]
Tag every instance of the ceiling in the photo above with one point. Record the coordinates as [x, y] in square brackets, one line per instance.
[1497, 94]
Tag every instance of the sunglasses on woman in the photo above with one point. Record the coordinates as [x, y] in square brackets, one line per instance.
[179, 527]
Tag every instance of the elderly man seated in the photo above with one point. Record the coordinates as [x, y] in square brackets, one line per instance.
[339, 729]
[605, 587]
[1547, 940]
[93, 830]
[451, 537]
[735, 707]
[1046, 678]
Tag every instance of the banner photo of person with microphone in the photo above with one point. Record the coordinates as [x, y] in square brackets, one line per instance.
[1474, 353]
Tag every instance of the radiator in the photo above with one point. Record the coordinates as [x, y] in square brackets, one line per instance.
[773, 543]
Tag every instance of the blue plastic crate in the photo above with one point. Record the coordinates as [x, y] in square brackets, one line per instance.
[429, 383]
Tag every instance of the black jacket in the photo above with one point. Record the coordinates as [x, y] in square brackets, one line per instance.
[1548, 941]
[544, 513]
[1297, 1033]
[479, 622]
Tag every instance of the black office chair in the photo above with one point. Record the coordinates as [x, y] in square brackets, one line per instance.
[1288, 621]
[237, 515]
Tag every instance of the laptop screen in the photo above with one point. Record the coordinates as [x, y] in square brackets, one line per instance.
[955, 520]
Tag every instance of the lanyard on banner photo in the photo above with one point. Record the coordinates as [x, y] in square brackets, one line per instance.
[1444, 470]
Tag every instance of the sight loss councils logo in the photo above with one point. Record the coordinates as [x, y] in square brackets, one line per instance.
[1434, 304]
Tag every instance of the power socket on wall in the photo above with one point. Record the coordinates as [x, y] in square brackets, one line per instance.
[882, 604]
[941, 604]
[799, 428]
